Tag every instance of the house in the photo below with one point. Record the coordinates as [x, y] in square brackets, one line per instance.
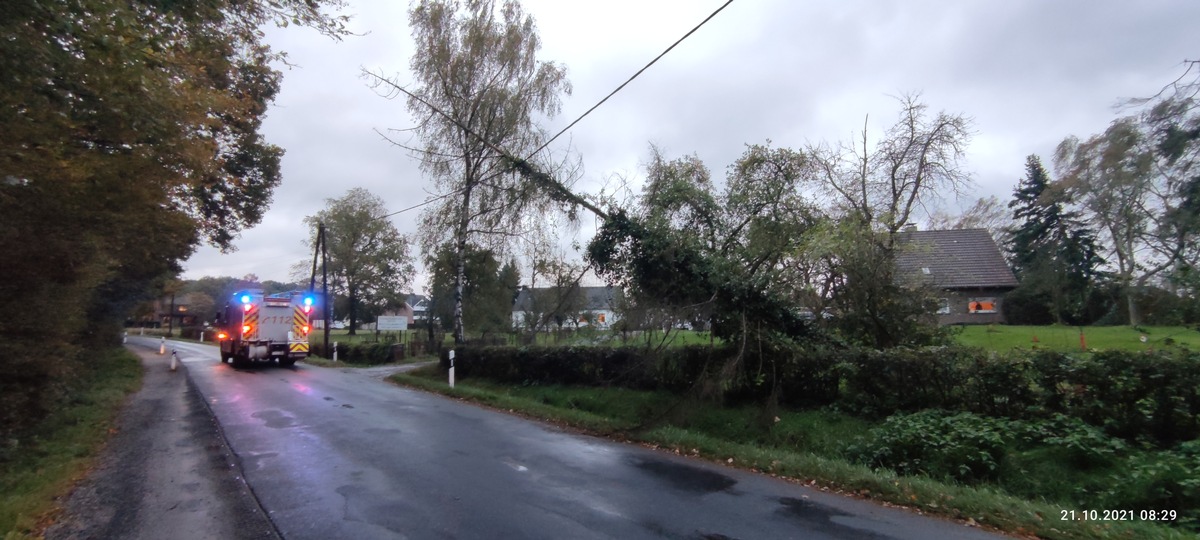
[181, 310]
[419, 304]
[547, 308]
[965, 265]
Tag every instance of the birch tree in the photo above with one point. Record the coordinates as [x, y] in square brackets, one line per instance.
[476, 61]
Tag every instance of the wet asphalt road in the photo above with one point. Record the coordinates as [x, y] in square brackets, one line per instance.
[336, 453]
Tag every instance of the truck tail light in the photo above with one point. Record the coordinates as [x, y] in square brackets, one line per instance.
[222, 335]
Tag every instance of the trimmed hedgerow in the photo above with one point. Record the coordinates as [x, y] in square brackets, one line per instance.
[366, 354]
[1147, 396]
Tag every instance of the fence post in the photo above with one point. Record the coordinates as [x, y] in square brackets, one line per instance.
[335, 351]
[174, 360]
[451, 368]
[162, 346]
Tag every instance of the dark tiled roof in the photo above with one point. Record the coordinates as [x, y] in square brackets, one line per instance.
[955, 259]
[597, 298]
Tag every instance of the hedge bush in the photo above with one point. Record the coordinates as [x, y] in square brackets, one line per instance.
[1148, 396]
[366, 354]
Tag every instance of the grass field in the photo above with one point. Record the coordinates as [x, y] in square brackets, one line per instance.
[1066, 338]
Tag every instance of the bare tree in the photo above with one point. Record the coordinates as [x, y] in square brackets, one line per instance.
[476, 62]
[917, 161]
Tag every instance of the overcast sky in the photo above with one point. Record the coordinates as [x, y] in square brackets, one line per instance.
[1028, 72]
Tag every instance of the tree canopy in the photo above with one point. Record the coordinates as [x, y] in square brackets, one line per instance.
[128, 135]
[476, 62]
[368, 259]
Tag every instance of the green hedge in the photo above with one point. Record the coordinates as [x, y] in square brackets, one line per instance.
[366, 354]
[1149, 396]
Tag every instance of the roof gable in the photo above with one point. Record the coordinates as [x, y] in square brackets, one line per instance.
[952, 259]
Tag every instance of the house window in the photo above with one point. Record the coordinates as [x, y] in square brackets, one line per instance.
[981, 305]
[943, 306]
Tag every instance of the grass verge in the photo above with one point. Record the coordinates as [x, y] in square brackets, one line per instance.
[802, 446]
[41, 467]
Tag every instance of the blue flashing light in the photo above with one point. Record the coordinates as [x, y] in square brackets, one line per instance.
[245, 299]
[308, 300]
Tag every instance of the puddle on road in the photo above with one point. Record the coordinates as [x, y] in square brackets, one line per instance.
[820, 518]
[686, 477]
[275, 419]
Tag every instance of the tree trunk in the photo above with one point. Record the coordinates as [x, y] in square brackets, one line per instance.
[353, 301]
[460, 264]
[1135, 315]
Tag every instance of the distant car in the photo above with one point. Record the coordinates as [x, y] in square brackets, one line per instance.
[339, 325]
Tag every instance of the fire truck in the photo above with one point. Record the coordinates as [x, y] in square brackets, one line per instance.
[255, 328]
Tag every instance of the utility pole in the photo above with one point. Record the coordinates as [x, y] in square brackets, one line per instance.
[319, 251]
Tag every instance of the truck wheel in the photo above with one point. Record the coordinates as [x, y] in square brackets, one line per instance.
[287, 362]
[224, 358]
[239, 362]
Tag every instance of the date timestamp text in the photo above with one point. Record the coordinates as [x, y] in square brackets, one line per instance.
[1119, 515]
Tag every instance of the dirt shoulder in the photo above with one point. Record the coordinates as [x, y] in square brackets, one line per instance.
[166, 473]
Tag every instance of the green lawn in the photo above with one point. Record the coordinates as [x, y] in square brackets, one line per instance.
[1066, 338]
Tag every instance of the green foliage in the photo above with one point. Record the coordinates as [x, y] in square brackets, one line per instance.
[129, 133]
[961, 446]
[366, 354]
[40, 464]
[368, 260]
[488, 289]
[1054, 255]
[1153, 396]
[1138, 397]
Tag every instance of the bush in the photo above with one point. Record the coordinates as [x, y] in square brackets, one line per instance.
[1153, 396]
[595, 366]
[1131, 395]
[881, 383]
[1158, 480]
[366, 354]
[959, 446]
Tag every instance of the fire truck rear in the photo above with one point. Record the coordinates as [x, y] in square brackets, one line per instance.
[257, 328]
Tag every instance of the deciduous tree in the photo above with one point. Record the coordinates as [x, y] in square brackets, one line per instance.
[369, 263]
[476, 61]
[128, 134]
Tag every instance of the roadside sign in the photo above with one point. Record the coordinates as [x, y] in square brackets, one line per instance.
[390, 324]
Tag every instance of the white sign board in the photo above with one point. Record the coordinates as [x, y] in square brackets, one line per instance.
[391, 324]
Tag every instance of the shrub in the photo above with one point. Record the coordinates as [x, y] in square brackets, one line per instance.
[880, 383]
[367, 354]
[959, 446]
[1150, 395]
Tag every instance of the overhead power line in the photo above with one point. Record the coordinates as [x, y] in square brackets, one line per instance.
[556, 135]
[635, 75]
